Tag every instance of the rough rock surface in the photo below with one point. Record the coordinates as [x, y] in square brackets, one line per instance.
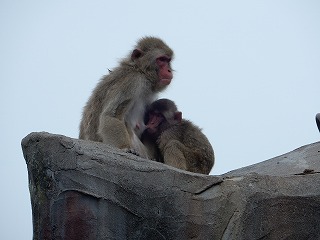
[86, 190]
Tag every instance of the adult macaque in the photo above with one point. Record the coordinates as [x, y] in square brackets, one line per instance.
[114, 113]
[176, 141]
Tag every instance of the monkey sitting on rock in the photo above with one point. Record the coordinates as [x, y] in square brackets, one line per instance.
[176, 141]
[114, 113]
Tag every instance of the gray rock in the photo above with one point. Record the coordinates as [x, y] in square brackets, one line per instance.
[302, 160]
[87, 190]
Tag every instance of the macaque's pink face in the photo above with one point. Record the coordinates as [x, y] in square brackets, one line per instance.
[155, 119]
[165, 71]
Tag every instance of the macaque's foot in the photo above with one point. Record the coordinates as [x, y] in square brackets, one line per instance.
[132, 151]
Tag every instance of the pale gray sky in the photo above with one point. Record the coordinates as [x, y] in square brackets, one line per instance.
[247, 72]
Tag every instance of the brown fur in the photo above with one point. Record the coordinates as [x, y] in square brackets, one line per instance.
[175, 141]
[117, 104]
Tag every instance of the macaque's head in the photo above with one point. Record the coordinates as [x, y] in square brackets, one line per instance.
[153, 58]
[160, 115]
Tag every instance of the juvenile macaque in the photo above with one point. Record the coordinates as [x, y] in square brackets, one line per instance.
[114, 113]
[176, 141]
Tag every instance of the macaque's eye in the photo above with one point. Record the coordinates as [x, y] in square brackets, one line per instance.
[164, 59]
[158, 114]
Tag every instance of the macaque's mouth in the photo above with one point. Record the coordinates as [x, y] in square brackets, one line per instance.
[165, 81]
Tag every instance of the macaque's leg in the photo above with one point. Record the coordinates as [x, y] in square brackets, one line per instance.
[173, 154]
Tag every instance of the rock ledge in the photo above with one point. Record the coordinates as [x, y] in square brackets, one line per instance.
[86, 190]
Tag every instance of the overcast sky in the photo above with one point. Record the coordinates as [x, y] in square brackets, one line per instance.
[246, 72]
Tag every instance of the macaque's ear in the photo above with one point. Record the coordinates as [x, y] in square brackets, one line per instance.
[178, 116]
[137, 53]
